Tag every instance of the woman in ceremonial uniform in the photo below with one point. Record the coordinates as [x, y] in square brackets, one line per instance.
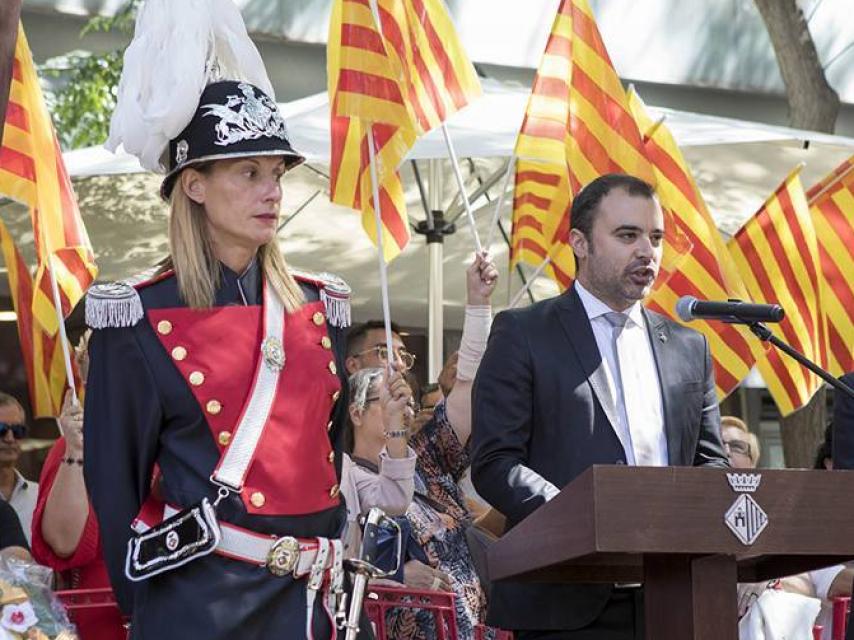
[212, 410]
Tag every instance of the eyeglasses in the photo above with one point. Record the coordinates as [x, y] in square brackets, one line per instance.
[18, 430]
[737, 446]
[408, 359]
[412, 405]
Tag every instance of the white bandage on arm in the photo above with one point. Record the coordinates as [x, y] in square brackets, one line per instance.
[476, 326]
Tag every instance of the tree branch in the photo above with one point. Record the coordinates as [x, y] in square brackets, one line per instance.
[10, 14]
[813, 103]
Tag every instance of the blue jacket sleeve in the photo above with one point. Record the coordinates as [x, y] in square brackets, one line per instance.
[122, 422]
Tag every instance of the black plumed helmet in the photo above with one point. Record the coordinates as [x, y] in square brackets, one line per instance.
[233, 120]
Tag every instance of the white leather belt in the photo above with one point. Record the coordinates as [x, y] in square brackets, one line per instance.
[281, 556]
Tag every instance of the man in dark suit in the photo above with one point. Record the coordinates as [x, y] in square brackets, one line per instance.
[589, 377]
[843, 426]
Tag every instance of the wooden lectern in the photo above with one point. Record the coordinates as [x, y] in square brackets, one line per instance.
[667, 528]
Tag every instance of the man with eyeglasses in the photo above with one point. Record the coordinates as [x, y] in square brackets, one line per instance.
[366, 348]
[20, 493]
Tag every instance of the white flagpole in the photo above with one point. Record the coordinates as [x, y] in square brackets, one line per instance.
[511, 166]
[381, 253]
[518, 297]
[459, 176]
[63, 339]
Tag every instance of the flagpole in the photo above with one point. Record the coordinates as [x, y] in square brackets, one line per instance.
[528, 284]
[511, 165]
[375, 187]
[66, 351]
[459, 176]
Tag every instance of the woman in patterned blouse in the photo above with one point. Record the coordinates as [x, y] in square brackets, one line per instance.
[438, 515]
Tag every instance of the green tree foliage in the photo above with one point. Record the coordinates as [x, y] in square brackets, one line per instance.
[86, 84]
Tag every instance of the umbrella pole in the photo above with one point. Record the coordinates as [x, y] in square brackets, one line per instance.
[435, 282]
[518, 297]
[511, 166]
[380, 248]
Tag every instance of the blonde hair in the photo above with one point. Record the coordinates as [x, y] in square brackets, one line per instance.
[752, 440]
[196, 267]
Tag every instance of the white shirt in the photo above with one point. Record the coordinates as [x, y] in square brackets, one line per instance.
[639, 399]
[23, 501]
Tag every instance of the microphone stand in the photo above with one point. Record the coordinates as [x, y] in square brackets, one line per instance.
[764, 333]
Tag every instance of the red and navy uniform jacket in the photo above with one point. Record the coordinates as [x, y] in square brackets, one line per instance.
[165, 393]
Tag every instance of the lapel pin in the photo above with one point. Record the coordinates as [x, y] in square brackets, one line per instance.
[662, 336]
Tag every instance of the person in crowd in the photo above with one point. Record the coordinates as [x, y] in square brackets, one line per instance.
[429, 396]
[215, 386]
[843, 426]
[589, 377]
[13, 542]
[366, 347]
[824, 452]
[830, 582]
[741, 446]
[15, 489]
[378, 467]
[438, 517]
[65, 531]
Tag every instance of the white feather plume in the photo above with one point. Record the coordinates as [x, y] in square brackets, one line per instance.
[178, 48]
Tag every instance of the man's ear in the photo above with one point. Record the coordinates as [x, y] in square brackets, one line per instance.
[351, 365]
[578, 242]
[193, 184]
[355, 415]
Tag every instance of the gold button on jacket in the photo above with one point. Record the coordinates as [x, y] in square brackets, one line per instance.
[179, 353]
[197, 378]
[164, 327]
[318, 318]
[213, 407]
[325, 342]
[257, 499]
[224, 438]
[334, 491]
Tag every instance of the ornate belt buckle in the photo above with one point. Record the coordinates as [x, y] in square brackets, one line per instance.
[283, 556]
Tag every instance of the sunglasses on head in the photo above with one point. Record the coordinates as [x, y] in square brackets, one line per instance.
[18, 430]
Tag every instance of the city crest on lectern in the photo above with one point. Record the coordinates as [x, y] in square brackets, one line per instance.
[745, 518]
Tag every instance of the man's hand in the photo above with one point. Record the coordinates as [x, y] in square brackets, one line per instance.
[395, 400]
[71, 421]
[481, 278]
[417, 575]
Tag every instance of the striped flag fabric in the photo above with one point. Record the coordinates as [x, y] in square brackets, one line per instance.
[832, 208]
[577, 127]
[776, 253]
[707, 272]
[32, 171]
[397, 67]
[41, 353]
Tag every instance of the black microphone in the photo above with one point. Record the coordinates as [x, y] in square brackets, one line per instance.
[689, 308]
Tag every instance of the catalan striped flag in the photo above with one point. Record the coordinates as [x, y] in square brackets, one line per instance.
[32, 171]
[397, 67]
[42, 355]
[832, 207]
[777, 254]
[707, 272]
[577, 127]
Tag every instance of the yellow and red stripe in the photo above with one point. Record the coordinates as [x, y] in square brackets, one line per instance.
[776, 253]
[707, 272]
[32, 171]
[577, 127]
[43, 359]
[832, 208]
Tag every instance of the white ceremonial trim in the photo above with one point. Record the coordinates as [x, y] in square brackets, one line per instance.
[234, 464]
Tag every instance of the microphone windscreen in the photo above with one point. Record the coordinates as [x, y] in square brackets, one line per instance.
[684, 308]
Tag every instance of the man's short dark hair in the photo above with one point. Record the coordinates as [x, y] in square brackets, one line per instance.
[586, 203]
[358, 334]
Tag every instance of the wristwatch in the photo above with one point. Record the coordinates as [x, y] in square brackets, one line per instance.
[396, 433]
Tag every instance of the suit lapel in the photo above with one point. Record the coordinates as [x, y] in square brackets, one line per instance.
[579, 333]
[663, 351]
